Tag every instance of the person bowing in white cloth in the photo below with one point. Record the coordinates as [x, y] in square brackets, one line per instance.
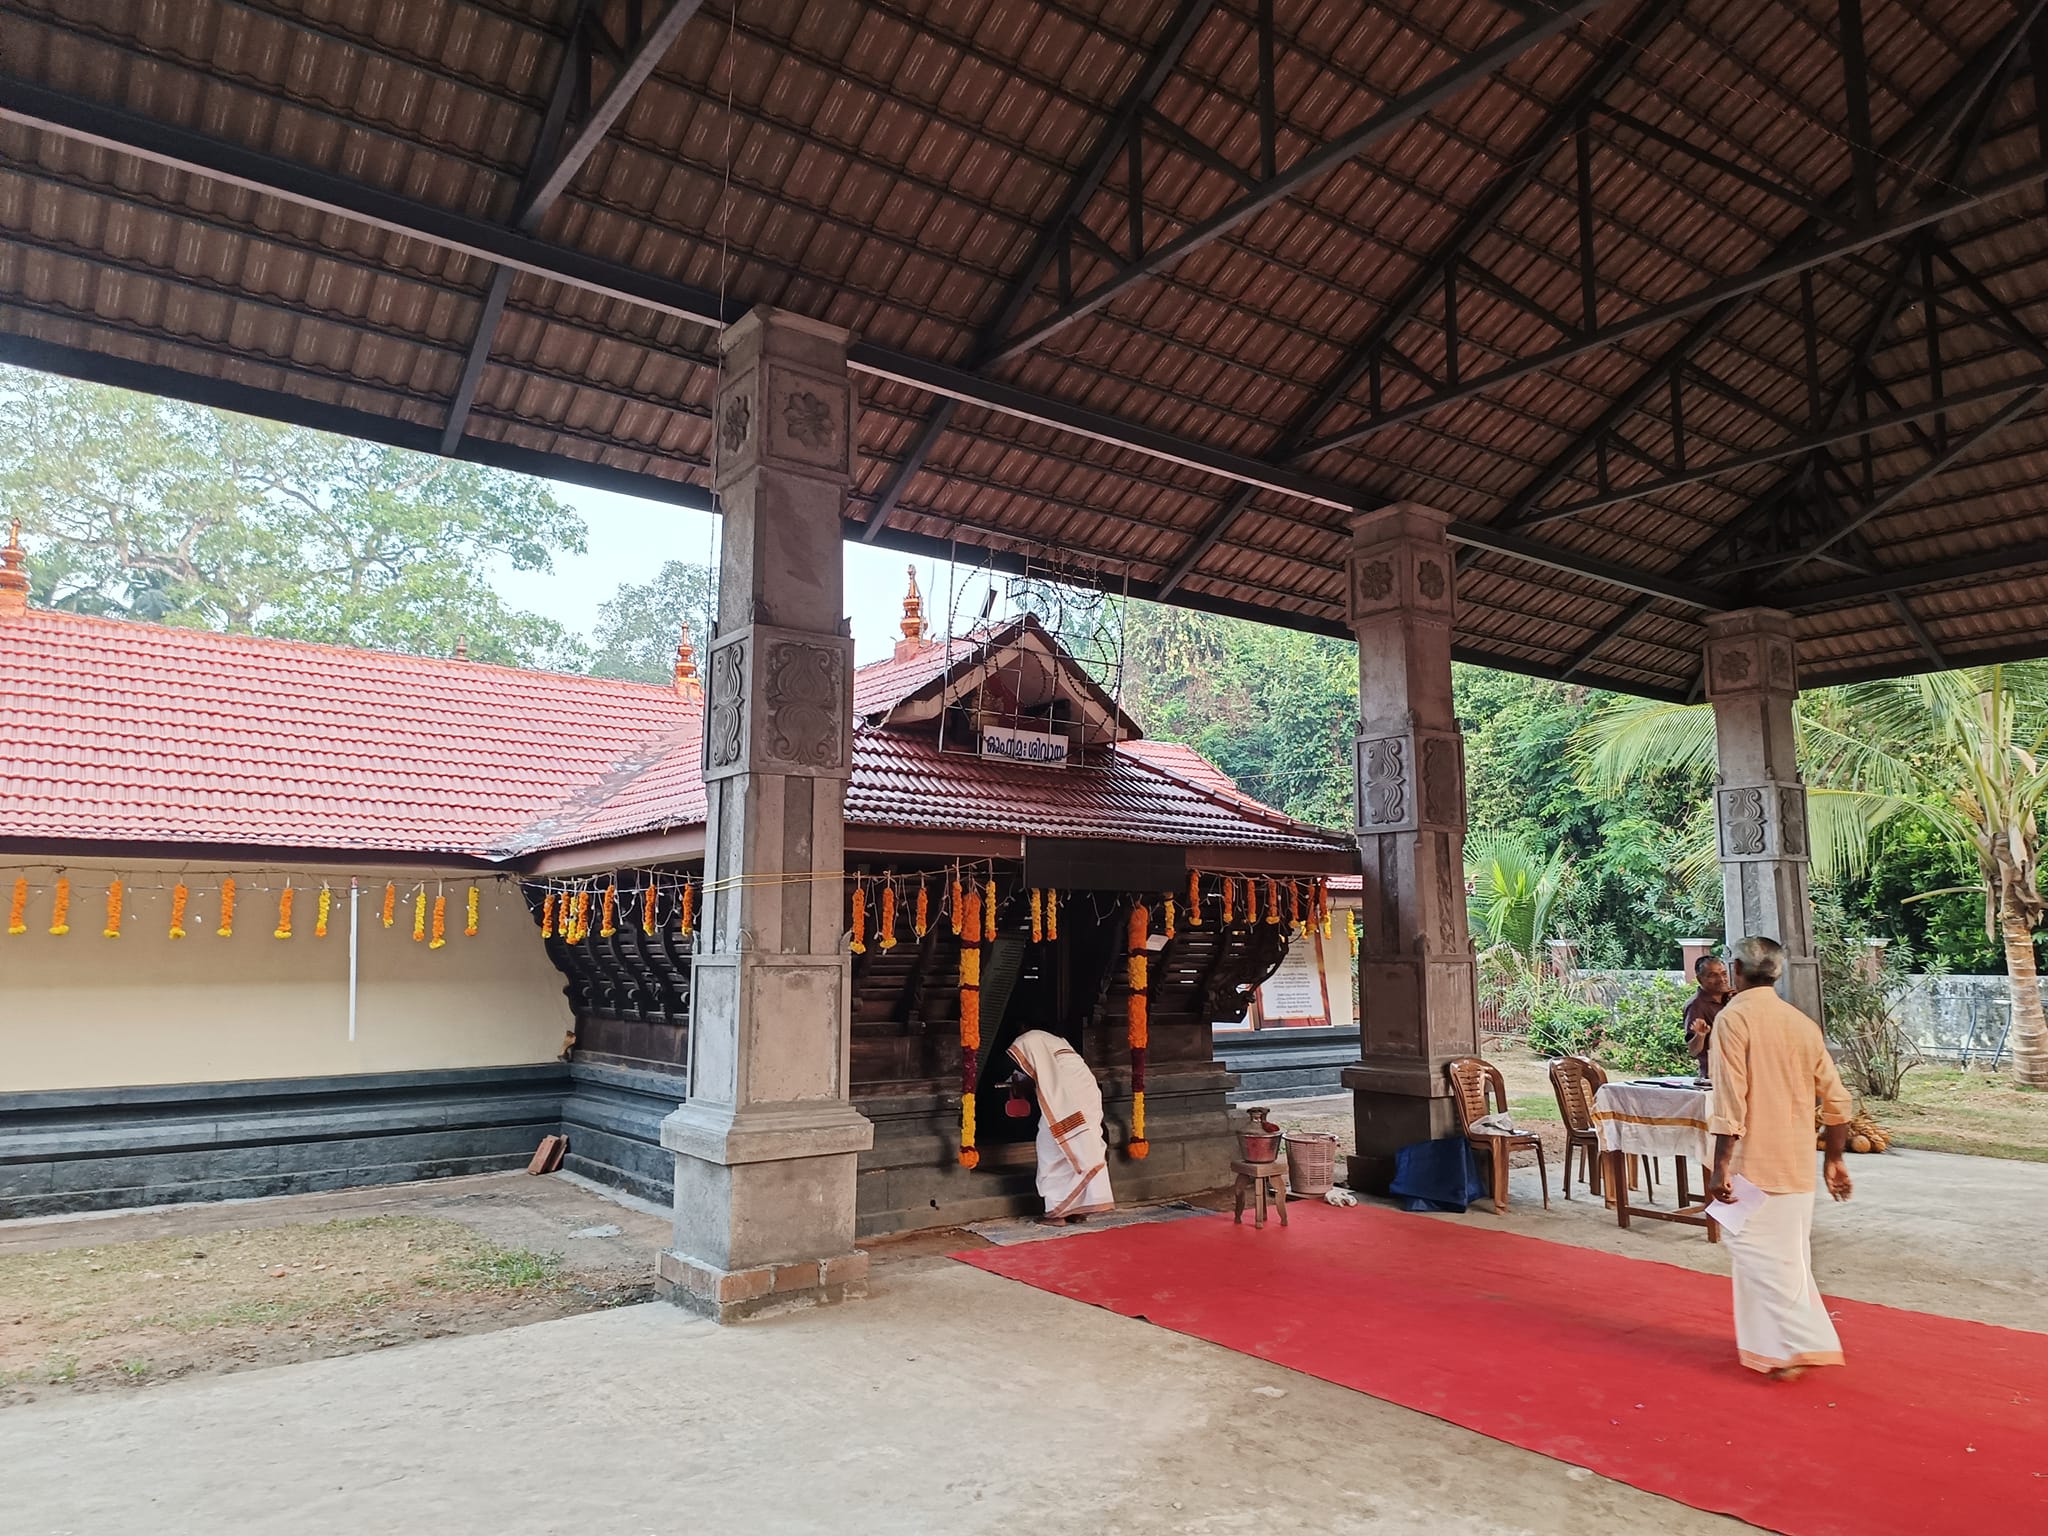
[1073, 1158]
[1770, 1066]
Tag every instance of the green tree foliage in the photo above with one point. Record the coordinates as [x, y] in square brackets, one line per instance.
[1514, 892]
[637, 630]
[149, 508]
[1277, 710]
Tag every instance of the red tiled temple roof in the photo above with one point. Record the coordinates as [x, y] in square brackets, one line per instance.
[143, 734]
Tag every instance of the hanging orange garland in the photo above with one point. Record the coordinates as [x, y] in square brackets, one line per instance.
[1194, 898]
[1138, 1020]
[646, 909]
[988, 911]
[440, 921]
[469, 917]
[888, 914]
[1037, 915]
[60, 910]
[970, 1025]
[1294, 907]
[113, 928]
[922, 923]
[390, 902]
[860, 919]
[17, 909]
[226, 930]
[179, 896]
[1272, 902]
[1229, 901]
[1052, 916]
[1351, 931]
[954, 904]
[583, 914]
[689, 904]
[284, 915]
[320, 911]
[1167, 915]
[419, 916]
[547, 916]
[609, 923]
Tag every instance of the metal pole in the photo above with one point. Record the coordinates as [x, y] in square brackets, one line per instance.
[354, 928]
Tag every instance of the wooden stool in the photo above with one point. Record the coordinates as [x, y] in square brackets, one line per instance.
[1266, 1181]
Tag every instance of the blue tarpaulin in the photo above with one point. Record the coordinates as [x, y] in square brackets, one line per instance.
[1438, 1175]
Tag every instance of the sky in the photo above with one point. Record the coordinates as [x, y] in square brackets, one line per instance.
[629, 539]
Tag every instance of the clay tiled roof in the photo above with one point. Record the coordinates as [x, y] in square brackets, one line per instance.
[143, 734]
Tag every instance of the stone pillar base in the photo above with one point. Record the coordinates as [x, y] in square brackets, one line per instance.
[730, 1295]
[1385, 1121]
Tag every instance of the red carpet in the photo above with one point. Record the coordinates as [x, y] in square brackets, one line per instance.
[1622, 1365]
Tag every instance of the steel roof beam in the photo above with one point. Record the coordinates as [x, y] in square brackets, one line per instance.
[555, 162]
[1124, 125]
[182, 149]
[1522, 166]
[1393, 115]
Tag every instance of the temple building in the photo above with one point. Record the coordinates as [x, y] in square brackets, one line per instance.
[286, 916]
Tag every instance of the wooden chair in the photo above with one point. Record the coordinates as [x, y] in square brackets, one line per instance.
[1574, 1081]
[1473, 1082]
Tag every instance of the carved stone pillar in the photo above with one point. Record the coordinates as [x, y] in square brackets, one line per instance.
[1752, 675]
[767, 1143]
[1416, 975]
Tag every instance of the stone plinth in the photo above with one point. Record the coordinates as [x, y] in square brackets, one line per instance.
[767, 1145]
[1752, 676]
[1416, 974]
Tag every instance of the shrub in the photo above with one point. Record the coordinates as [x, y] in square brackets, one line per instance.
[1859, 1002]
[1647, 1037]
[1563, 1026]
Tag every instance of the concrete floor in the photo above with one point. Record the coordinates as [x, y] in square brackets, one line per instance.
[949, 1402]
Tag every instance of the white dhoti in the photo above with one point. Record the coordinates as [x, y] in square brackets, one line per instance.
[1073, 1159]
[1780, 1318]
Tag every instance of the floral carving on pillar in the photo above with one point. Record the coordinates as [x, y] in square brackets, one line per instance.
[1429, 580]
[724, 729]
[735, 423]
[802, 704]
[1742, 821]
[1386, 782]
[809, 419]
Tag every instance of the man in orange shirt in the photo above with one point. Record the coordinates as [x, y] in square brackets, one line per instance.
[1770, 1066]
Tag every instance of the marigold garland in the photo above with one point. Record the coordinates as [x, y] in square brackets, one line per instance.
[1138, 1020]
[17, 909]
[1323, 904]
[1229, 901]
[419, 916]
[921, 924]
[320, 911]
[1294, 907]
[1351, 931]
[60, 910]
[226, 930]
[646, 909]
[284, 914]
[860, 919]
[888, 914]
[689, 904]
[1251, 901]
[1272, 901]
[970, 1022]
[179, 896]
[1167, 911]
[1194, 898]
[1052, 916]
[390, 901]
[988, 911]
[440, 921]
[113, 928]
[608, 923]
[469, 917]
[547, 916]
[1037, 915]
[953, 905]
[583, 914]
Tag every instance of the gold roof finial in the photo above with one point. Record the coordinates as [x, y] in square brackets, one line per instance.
[913, 639]
[688, 685]
[13, 577]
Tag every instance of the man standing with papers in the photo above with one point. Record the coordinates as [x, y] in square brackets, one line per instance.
[1770, 1066]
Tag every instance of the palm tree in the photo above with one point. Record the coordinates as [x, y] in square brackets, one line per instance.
[1514, 891]
[1962, 751]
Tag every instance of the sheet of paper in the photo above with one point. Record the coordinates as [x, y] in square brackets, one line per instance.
[1734, 1214]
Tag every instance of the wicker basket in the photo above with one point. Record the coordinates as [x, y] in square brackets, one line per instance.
[1311, 1162]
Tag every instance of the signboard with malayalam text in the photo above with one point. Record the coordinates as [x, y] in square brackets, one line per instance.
[1040, 749]
[1295, 994]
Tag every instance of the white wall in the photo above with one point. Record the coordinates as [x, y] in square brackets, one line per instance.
[85, 1011]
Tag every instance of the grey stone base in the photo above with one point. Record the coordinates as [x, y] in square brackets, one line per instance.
[1276, 1064]
[731, 1296]
[106, 1148]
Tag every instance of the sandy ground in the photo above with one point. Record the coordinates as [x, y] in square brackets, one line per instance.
[130, 1300]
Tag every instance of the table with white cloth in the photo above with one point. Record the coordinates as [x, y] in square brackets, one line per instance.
[1656, 1119]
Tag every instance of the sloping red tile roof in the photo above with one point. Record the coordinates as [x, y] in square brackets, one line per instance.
[113, 731]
